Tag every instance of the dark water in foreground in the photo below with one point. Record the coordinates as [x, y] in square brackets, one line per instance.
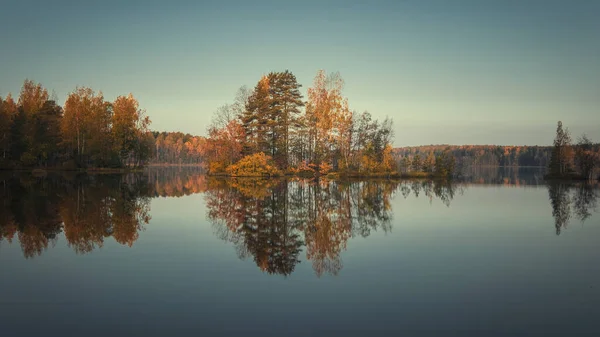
[172, 253]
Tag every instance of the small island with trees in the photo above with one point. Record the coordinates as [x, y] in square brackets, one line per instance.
[267, 133]
[573, 162]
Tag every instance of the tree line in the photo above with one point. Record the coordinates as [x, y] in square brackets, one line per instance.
[88, 131]
[482, 155]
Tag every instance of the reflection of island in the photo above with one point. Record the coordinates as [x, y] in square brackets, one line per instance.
[580, 199]
[272, 221]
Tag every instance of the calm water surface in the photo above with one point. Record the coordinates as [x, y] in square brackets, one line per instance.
[172, 253]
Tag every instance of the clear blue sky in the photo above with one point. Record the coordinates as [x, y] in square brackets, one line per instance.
[453, 72]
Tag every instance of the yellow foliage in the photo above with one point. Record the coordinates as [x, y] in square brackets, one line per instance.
[216, 167]
[368, 165]
[256, 165]
[387, 164]
[325, 168]
[252, 187]
[303, 168]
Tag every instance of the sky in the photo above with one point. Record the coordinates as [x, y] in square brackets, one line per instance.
[447, 72]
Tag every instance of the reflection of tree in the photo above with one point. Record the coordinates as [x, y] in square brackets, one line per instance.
[26, 213]
[254, 216]
[581, 197]
[441, 189]
[272, 223]
[87, 209]
[585, 200]
[175, 182]
[497, 175]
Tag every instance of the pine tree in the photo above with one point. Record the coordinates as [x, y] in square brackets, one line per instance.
[285, 113]
[255, 120]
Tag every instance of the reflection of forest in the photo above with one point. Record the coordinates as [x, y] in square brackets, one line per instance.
[497, 175]
[272, 221]
[572, 200]
[87, 209]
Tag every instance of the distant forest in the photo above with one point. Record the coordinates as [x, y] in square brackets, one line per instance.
[483, 155]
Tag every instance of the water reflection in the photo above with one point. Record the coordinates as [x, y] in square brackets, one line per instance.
[275, 223]
[507, 176]
[88, 209]
[570, 200]
[441, 189]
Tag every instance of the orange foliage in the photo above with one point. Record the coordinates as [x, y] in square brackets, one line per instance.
[256, 165]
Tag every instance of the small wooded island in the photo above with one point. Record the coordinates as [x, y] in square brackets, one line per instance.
[573, 162]
[270, 130]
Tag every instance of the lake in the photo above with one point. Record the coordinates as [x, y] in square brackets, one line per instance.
[172, 252]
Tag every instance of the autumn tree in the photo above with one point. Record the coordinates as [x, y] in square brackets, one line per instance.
[32, 97]
[429, 163]
[586, 159]
[8, 109]
[86, 127]
[417, 164]
[325, 110]
[562, 153]
[46, 134]
[223, 147]
[35, 126]
[444, 164]
[129, 130]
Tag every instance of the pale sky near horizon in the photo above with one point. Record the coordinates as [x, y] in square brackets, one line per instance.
[447, 72]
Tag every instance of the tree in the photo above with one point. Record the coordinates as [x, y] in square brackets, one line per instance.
[124, 133]
[223, 147]
[285, 110]
[417, 164]
[328, 119]
[32, 97]
[129, 130]
[46, 136]
[228, 112]
[562, 154]
[429, 163]
[7, 112]
[444, 164]
[255, 119]
[32, 147]
[86, 126]
[586, 159]
[256, 165]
